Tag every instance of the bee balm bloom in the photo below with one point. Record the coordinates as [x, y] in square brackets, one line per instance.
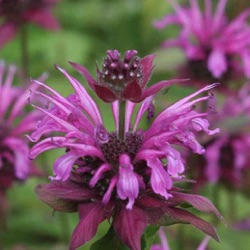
[14, 123]
[226, 156]
[127, 174]
[211, 42]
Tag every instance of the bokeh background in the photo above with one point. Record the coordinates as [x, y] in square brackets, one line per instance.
[88, 29]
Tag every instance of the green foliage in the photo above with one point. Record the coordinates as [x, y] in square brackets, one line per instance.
[109, 241]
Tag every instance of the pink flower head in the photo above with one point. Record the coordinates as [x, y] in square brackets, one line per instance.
[123, 79]
[18, 12]
[122, 174]
[226, 159]
[212, 44]
[226, 156]
[14, 123]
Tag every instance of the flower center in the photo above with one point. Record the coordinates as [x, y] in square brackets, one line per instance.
[116, 74]
[116, 146]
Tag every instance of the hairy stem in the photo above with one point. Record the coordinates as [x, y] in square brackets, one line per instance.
[24, 51]
[122, 111]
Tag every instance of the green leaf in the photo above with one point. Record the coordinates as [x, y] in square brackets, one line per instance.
[151, 231]
[185, 205]
[143, 242]
[148, 237]
[109, 241]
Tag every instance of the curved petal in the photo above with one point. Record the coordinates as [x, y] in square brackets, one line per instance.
[83, 71]
[63, 165]
[217, 63]
[127, 184]
[160, 180]
[147, 68]
[157, 87]
[20, 150]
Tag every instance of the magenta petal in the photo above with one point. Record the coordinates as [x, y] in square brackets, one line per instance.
[158, 87]
[132, 92]
[83, 71]
[99, 174]
[217, 63]
[147, 67]
[105, 94]
[127, 185]
[164, 242]
[130, 106]
[130, 225]
[219, 15]
[7, 33]
[20, 151]
[165, 21]
[91, 215]
[87, 103]
[160, 180]
[175, 163]
[46, 144]
[199, 202]
[212, 156]
[107, 195]
[181, 216]
[64, 164]
[204, 243]
[63, 196]
[246, 63]
[143, 108]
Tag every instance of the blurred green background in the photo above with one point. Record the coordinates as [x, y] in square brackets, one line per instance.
[88, 29]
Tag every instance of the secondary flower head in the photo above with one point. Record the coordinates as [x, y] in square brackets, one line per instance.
[18, 12]
[211, 42]
[226, 156]
[226, 159]
[126, 174]
[14, 123]
[123, 79]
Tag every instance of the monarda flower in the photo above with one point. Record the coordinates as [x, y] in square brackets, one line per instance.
[212, 43]
[16, 13]
[127, 175]
[14, 123]
[226, 159]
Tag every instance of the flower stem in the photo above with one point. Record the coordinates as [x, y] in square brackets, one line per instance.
[65, 232]
[180, 238]
[24, 51]
[122, 111]
[232, 204]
